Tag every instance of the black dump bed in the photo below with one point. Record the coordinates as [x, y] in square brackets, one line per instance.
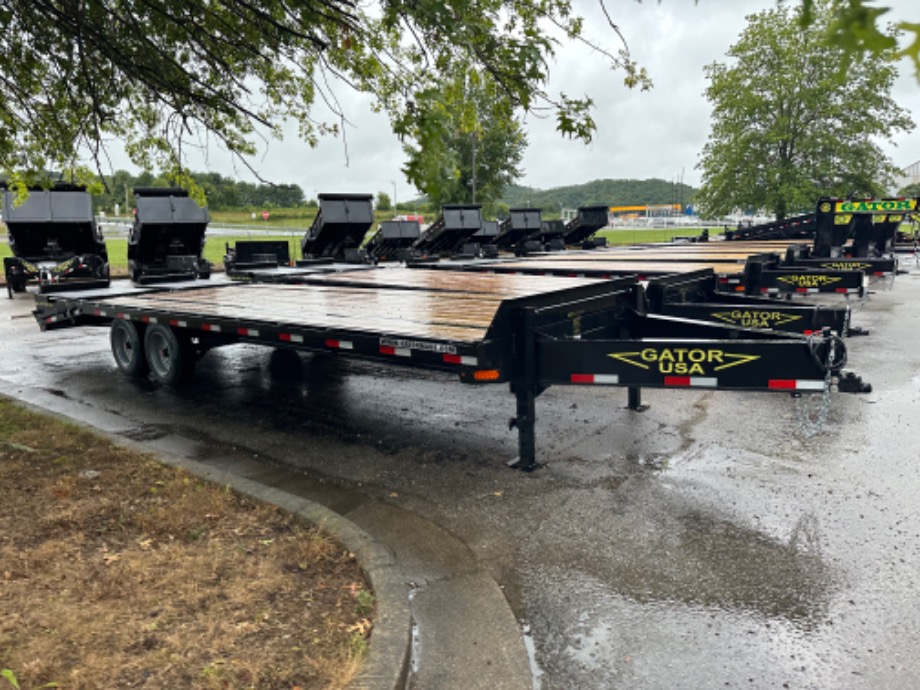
[391, 237]
[457, 224]
[342, 222]
[488, 233]
[521, 224]
[52, 225]
[258, 254]
[167, 238]
[589, 220]
[551, 230]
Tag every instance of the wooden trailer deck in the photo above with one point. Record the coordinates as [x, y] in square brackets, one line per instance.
[395, 302]
[611, 266]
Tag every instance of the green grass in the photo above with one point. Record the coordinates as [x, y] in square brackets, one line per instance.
[629, 236]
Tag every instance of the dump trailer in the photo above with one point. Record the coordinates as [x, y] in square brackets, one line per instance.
[393, 240]
[528, 332]
[521, 224]
[550, 235]
[249, 254]
[868, 225]
[166, 241]
[456, 225]
[54, 240]
[482, 243]
[800, 227]
[587, 221]
[339, 228]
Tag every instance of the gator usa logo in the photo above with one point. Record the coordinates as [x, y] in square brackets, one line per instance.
[876, 206]
[846, 265]
[807, 280]
[687, 361]
[755, 318]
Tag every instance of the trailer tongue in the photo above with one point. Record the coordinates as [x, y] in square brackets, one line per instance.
[523, 330]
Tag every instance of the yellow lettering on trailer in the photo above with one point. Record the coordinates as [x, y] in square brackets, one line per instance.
[875, 206]
[846, 265]
[807, 280]
[755, 318]
[689, 361]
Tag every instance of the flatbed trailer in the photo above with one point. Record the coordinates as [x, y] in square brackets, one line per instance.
[521, 330]
[759, 276]
[789, 255]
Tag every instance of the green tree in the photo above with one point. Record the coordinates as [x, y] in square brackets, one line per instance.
[911, 190]
[162, 76]
[467, 142]
[795, 118]
[383, 202]
[853, 26]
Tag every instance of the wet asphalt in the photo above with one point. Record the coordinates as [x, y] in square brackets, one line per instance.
[704, 543]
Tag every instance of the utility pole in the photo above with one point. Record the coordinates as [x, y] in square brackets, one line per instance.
[474, 167]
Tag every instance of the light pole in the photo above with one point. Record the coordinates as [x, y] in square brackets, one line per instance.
[393, 182]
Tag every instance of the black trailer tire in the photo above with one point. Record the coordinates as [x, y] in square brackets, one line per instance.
[170, 356]
[127, 340]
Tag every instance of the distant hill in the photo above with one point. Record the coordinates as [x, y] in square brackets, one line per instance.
[609, 192]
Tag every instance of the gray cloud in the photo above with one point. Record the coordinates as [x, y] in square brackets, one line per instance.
[640, 134]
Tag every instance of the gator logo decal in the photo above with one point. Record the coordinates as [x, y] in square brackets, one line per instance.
[824, 207]
[875, 206]
[686, 361]
[846, 265]
[806, 280]
[755, 318]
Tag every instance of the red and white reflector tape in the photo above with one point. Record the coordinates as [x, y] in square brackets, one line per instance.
[395, 351]
[691, 381]
[795, 385]
[462, 360]
[609, 379]
[807, 290]
[178, 324]
[290, 337]
[213, 327]
[340, 344]
[250, 332]
[149, 319]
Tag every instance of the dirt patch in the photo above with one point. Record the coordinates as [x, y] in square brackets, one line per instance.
[119, 572]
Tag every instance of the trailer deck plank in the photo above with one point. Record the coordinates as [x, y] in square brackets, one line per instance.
[440, 306]
[617, 266]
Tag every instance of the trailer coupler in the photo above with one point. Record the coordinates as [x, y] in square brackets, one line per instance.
[848, 382]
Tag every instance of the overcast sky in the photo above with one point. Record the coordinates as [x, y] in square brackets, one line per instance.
[658, 133]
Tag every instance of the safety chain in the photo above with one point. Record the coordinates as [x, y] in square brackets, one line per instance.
[809, 417]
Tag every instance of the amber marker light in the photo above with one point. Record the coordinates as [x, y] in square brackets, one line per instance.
[486, 375]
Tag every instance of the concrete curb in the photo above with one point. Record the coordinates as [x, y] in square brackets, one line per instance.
[387, 663]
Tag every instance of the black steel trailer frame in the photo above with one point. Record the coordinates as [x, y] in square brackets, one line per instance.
[585, 333]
